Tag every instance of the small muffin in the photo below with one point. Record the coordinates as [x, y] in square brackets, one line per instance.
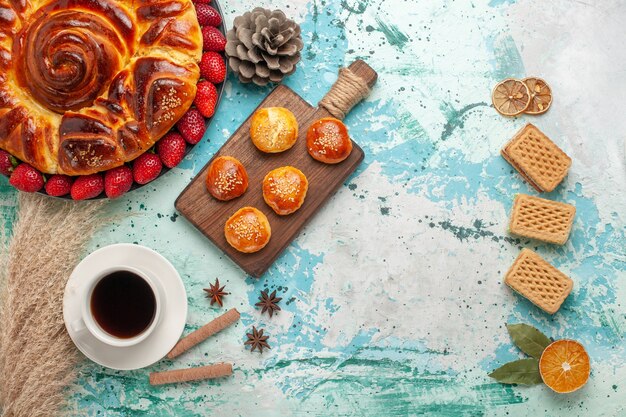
[284, 189]
[273, 129]
[248, 230]
[327, 141]
[226, 178]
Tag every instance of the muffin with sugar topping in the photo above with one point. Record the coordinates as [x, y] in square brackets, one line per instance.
[284, 189]
[327, 141]
[248, 230]
[226, 178]
[273, 129]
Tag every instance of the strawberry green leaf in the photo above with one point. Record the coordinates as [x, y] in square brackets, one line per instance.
[530, 340]
[522, 371]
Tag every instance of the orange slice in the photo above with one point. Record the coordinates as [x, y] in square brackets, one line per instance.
[510, 97]
[564, 366]
[540, 95]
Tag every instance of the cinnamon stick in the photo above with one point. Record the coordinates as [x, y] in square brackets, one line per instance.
[217, 370]
[212, 327]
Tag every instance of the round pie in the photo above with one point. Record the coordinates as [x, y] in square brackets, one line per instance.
[327, 140]
[248, 230]
[284, 189]
[273, 129]
[87, 85]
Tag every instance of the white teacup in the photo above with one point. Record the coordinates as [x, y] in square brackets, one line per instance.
[89, 323]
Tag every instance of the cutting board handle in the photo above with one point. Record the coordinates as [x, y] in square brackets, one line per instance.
[352, 86]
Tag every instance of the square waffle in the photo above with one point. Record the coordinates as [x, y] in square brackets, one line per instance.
[541, 219]
[537, 158]
[538, 281]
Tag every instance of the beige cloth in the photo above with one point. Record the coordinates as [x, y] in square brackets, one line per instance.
[37, 357]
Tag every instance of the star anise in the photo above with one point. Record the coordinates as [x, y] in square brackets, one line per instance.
[215, 292]
[269, 302]
[256, 340]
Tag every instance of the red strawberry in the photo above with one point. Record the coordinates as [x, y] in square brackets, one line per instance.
[146, 168]
[171, 149]
[192, 126]
[118, 181]
[87, 186]
[213, 67]
[207, 15]
[201, 1]
[26, 178]
[206, 98]
[58, 185]
[7, 163]
[212, 39]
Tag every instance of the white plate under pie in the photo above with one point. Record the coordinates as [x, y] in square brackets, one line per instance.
[173, 310]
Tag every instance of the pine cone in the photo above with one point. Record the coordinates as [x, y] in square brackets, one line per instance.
[263, 46]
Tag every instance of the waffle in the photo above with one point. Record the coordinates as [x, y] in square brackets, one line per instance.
[541, 219]
[538, 281]
[537, 158]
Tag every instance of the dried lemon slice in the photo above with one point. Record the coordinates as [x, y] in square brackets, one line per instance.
[510, 97]
[540, 95]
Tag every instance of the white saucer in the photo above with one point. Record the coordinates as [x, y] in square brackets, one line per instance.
[174, 307]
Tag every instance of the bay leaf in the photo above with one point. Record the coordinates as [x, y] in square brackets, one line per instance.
[530, 340]
[522, 371]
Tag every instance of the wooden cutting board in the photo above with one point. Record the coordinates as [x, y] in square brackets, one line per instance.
[209, 215]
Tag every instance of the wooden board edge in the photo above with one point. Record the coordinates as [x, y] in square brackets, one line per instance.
[366, 72]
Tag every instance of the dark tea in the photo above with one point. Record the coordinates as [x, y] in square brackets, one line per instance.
[123, 304]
